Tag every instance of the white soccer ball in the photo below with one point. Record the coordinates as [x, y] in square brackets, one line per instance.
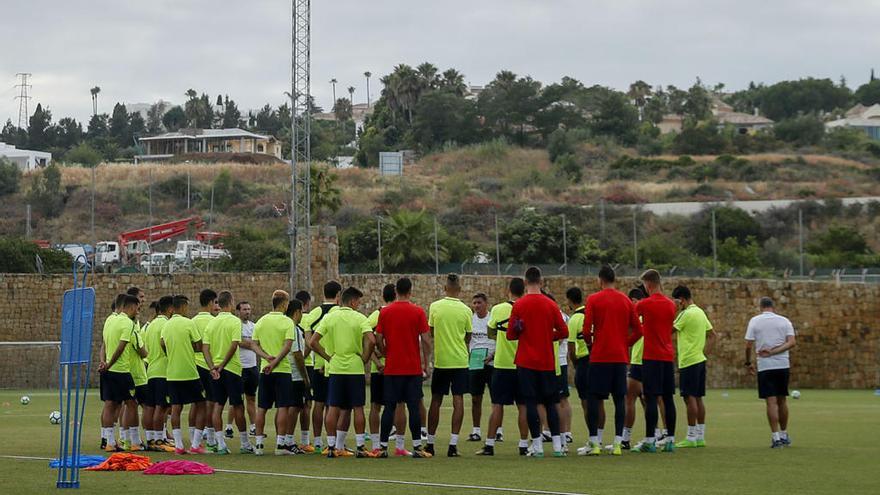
[796, 394]
[25, 400]
[55, 417]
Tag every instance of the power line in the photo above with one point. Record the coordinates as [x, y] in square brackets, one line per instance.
[23, 98]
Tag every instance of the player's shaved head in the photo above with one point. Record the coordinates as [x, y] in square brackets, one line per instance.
[533, 275]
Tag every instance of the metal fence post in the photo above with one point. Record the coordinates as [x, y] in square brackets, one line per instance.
[436, 250]
[497, 248]
[714, 246]
[602, 223]
[379, 233]
[801, 239]
[564, 247]
[635, 240]
[27, 227]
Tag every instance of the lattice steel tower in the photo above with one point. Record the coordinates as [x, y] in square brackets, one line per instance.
[300, 153]
[23, 98]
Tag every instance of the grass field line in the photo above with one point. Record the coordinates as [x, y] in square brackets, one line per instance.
[363, 480]
[400, 482]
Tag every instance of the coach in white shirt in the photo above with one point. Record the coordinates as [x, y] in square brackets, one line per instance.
[772, 336]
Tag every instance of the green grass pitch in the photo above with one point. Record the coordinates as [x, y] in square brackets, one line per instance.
[836, 437]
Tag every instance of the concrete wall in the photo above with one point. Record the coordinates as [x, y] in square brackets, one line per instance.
[839, 342]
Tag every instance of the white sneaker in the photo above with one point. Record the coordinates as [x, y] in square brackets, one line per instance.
[663, 441]
[609, 447]
[258, 449]
[585, 450]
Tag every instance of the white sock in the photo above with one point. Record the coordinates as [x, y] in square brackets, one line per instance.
[594, 440]
[400, 442]
[777, 436]
[279, 441]
[416, 443]
[665, 432]
[546, 433]
[453, 439]
[701, 431]
[197, 438]
[340, 439]
[783, 434]
[430, 439]
[476, 430]
[243, 438]
[178, 438]
[670, 439]
[209, 435]
[107, 433]
[500, 431]
[192, 431]
[359, 439]
[221, 441]
[650, 440]
[657, 433]
[288, 439]
[261, 440]
[627, 434]
[618, 440]
[600, 432]
[374, 440]
[134, 435]
[116, 433]
[424, 432]
[304, 438]
[523, 442]
[538, 444]
[228, 426]
[566, 435]
[557, 443]
[490, 442]
[692, 433]
[319, 443]
[148, 435]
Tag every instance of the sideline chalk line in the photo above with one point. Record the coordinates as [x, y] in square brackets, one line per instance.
[363, 480]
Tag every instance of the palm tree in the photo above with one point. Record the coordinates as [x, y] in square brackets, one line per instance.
[95, 92]
[368, 74]
[333, 85]
[454, 82]
[410, 240]
[351, 95]
[427, 75]
[325, 196]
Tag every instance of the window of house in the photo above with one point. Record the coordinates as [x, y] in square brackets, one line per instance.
[260, 148]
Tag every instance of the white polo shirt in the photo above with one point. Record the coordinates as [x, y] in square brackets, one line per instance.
[768, 330]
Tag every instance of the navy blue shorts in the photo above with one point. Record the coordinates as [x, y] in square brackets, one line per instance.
[142, 394]
[402, 389]
[505, 387]
[658, 377]
[540, 386]
[250, 380]
[635, 372]
[377, 388]
[582, 377]
[116, 386]
[319, 384]
[773, 383]
[207, 383]
[229, 387]
[480, 379]
[185, 392]
[298, 394]
[347, 391]
[276, 390]
[692, 380]
[157, 392]
[446, 379]
[562, 379]
[607, 378]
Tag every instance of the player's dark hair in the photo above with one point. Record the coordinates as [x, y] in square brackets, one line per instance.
[533, 275]
[179, 301]
[165, 302]
[403, 286]
[517, 286]
[206, 297]
[651, 276]
[453, 281]
[154, 305]
[637, 293]
[575, 295]
[606, 273]
[292, 307]
[130, 300]
[351, 294]
[766, 302]
[389, 294]
[332, 289]
[239, 304]
[481, 295]
[224, 299]
[120, 299]
[133, 291]
[303, 296]
[278, 297]
[548, 295]
[681, 292]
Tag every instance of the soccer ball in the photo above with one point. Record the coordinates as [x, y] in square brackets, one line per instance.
[796, 394]
[55, 417]
[25, 400]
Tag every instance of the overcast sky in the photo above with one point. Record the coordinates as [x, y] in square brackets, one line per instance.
[144, 50]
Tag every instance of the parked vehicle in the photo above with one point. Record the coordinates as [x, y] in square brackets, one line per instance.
[158, 263]
[188, 251]
[78, 252]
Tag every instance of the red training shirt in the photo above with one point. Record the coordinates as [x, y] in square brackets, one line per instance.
[658, 314]
[400, 324]
[608, 317]
[536, 322]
